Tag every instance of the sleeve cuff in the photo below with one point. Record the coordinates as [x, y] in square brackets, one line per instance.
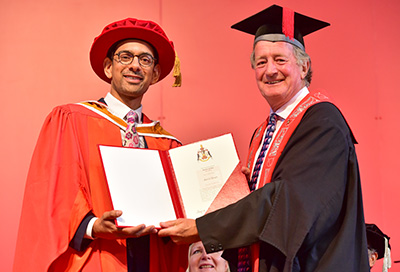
[89, 228]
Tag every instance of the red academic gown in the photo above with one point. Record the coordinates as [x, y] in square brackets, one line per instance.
[65, 182]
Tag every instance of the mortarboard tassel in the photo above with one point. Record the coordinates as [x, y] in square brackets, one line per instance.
[177, 72]
[387, 262]
[288, 22]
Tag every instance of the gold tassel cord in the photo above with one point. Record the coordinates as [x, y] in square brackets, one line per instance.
[177, 72]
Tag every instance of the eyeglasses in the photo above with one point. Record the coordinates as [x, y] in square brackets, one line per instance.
[126, 58]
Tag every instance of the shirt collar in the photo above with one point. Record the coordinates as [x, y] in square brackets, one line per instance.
[119, 109]
[284, 111]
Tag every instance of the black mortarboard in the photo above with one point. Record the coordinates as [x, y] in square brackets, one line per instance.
[276, 23]
[376, 239]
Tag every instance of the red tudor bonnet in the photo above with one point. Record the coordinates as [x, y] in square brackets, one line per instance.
[129, 28]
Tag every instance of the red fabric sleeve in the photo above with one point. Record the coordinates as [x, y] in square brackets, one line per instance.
[56, 185]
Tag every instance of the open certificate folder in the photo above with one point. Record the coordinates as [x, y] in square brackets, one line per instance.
[152, 186]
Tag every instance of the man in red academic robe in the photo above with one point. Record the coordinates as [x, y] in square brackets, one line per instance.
[67, 221]
[306, 213]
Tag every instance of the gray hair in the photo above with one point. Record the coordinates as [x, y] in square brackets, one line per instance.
[301, 58]
[371, 251]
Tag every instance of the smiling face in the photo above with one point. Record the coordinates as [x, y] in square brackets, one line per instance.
[279, 76]
[200, 261]
[130, 82]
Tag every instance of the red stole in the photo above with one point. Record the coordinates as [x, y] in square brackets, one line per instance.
[276, 148]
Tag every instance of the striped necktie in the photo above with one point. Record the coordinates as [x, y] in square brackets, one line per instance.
[243, 253]
[267, 140]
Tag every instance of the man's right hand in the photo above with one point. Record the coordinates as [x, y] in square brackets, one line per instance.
[105, 228]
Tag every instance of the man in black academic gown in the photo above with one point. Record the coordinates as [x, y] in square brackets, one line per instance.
[378, 246]
[306, 212]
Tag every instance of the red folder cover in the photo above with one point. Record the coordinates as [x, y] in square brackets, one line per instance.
[151, 186]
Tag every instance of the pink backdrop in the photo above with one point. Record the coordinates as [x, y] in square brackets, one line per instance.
[45, 46]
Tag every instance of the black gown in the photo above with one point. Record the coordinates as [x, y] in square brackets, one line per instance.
[310, 216]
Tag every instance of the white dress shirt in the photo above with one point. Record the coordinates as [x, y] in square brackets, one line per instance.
[120, 110]
[282, 114]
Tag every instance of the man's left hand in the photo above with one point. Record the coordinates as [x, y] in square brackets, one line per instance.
[181, 231]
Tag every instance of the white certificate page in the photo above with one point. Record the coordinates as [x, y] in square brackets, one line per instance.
[201, 169]
[137, 185]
